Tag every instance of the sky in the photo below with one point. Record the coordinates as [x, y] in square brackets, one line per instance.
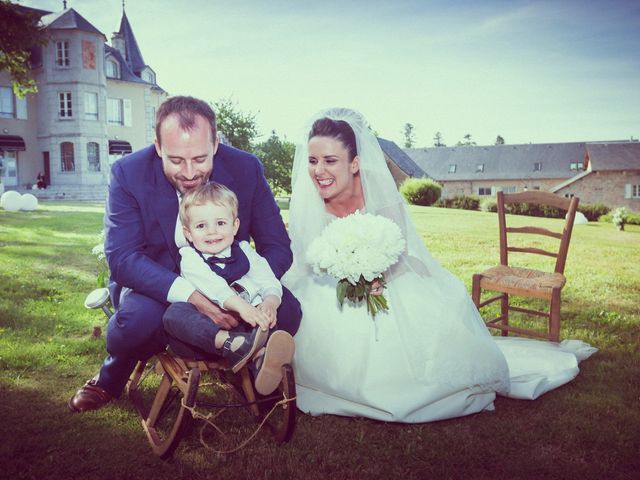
[530, 71]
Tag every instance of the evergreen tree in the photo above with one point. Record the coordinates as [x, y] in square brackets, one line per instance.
[466, 142]
[409, 139]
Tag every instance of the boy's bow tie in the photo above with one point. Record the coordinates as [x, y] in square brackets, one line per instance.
[217, 260]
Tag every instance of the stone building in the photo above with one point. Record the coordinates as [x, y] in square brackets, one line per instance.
[95, 103]
[484, 170]
[611, 176]
[596, 172]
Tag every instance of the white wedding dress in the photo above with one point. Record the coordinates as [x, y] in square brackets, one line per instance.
[429, 357]
[348, 364]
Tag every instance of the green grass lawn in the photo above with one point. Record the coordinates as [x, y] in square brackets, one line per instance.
[589, 428]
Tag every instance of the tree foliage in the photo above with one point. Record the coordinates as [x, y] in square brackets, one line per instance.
[466, 142]
[20, 30]
[499, 140]
[239, 127]
[437, 140]
[277, 157]
[409, 138]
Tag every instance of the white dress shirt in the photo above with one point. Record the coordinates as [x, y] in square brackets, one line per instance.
[258, 282]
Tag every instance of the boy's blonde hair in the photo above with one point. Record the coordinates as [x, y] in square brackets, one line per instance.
[212, 192]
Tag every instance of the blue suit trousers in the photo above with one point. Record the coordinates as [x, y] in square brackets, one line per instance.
[136, 332]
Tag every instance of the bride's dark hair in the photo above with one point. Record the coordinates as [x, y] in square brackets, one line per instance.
[338, 129]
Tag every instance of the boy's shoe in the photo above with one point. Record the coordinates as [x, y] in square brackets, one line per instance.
[267, 368]
[252, 342]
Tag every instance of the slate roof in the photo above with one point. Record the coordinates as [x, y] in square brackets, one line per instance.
[126, 73]
[614, 156]
[69, 19]
[134, 56]
[501, 162]
[132, 66]
[400, 158]
[35, 11]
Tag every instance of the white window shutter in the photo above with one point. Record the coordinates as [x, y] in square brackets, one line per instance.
[627, 190]
[493, 190]
[126, 106]
[21, 108]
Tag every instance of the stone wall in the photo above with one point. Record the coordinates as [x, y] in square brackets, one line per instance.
[451, 189]
[606, 187]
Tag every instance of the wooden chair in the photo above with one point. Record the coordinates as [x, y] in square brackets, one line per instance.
[526, 282]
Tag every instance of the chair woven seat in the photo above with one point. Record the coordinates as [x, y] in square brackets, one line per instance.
[521, 281]
[525, 282]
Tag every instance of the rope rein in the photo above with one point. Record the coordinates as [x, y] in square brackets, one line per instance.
[209, 418]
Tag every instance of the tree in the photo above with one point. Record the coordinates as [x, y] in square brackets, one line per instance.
[467, 141]
[499, 140]
[437, 140]
[20, 31]
[239, 127]
[409, 139]
[277, 157]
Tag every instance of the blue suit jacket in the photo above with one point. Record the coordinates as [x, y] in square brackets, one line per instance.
[141, 213]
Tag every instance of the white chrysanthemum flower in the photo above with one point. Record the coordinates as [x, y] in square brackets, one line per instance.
[98, 251]
[359, 244]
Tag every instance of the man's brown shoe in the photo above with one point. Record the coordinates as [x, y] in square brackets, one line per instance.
[90, 397]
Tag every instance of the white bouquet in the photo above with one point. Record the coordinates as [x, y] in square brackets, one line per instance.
[356, 249]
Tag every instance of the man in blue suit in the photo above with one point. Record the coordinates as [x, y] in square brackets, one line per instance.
[143, 235]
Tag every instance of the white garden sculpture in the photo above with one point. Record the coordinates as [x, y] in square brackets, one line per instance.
[580, 219]
[11, 201]
[28, 202]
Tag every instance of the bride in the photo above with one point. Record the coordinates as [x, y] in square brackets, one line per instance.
[429, 357]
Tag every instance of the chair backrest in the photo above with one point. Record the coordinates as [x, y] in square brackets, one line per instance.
[537, 197]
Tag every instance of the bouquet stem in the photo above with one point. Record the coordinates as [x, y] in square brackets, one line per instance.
[361, 291]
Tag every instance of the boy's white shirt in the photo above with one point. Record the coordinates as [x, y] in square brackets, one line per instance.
[258, 282]
[182, 288]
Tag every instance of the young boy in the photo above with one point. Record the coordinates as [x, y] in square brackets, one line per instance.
[232, 275]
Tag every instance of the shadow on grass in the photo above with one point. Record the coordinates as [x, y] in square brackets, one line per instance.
[43, 440]
[594, 438]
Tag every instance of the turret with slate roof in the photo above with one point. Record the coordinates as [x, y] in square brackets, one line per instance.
[69, 19]
[132, 51]
[125, 50]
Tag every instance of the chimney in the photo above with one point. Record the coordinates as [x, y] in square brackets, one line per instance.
[117, 42]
